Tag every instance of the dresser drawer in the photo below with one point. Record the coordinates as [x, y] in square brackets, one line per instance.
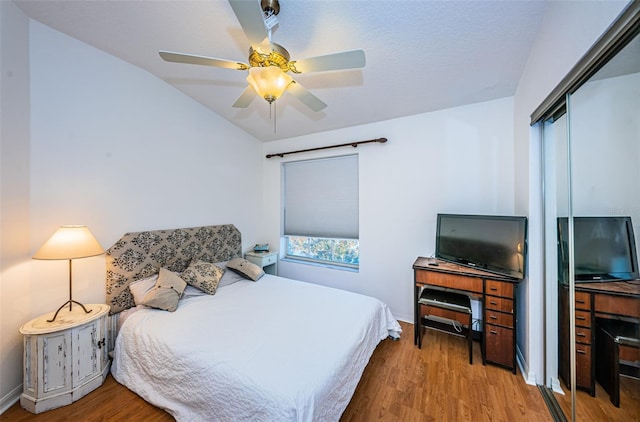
[262, 259]
[617, 305]
[583, 319]
[498, 304]
[454, 281]
[499, 288]
[268, 260]
[499, 345]
[583, 366]
[583, 335]
[583, 300]
[497, 318]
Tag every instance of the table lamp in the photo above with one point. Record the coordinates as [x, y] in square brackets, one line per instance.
[70, 242]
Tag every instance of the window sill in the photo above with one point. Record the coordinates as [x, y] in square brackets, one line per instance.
[321, 264]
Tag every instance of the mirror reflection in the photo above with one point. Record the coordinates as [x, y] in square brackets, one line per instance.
[592, 157]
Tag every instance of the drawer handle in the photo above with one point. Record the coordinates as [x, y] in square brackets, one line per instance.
[581, 301]
[581, 334]
[493, 331]
[493, 303]
[493, 317]
[582, 352]
[581, 318]
[495, 289]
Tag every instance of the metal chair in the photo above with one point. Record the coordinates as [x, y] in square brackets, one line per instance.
[615, 339]
[447, 311]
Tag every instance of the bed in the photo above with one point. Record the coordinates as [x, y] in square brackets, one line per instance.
[274, 349]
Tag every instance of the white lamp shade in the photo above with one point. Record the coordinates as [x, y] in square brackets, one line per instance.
[70, 242]
[269, 82]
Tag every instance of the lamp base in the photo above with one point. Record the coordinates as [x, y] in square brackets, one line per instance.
[70, 303]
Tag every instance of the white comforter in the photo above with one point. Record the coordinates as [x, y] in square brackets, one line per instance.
[272, 350]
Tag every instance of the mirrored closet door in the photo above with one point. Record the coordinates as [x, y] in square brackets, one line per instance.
[591, 153]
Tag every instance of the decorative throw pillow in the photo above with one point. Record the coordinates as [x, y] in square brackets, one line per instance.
[203, 275]
[229, 277]
[140, 288]
[191, 291]
[245, 268]
[167, 291]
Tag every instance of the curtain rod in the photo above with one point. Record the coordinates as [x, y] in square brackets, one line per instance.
[350, 144]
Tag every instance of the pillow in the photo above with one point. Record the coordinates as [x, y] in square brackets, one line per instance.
[167, 291]
[191, 291]
[229, 277]
[203, 275]
[140, 288]
[245, 268]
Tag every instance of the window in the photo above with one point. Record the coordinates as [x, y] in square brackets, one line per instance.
[339, 251]
[321, 210]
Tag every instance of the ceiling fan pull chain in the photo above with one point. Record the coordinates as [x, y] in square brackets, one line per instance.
[275, 115]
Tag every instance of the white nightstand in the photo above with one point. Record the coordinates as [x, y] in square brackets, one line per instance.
[65, 359]
[268, 261]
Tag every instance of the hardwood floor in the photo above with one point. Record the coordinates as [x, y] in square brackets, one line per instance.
[436, 383]
[401, 383]
[599, 408]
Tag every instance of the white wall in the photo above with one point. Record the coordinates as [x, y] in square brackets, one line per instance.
[568, 30]
[458, 160]
[14, 195]
[605, 148]
[113, 147]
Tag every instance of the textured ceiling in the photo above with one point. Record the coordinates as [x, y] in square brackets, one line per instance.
[421, 55]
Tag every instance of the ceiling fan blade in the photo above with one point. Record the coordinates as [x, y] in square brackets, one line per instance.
[245, 98]
[345, 60]
[249, 14]
[310, 100]
[170, 56]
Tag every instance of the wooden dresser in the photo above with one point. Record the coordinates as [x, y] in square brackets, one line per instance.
[498, 296]
[611, 300]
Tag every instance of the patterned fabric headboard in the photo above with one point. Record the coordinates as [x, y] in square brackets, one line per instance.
[139, 255]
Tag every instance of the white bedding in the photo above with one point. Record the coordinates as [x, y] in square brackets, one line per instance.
[271, 350]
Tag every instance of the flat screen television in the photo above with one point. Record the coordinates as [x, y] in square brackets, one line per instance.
[493, 243]
[604, 249]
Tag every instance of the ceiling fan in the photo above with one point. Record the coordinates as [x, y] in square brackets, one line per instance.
[270, 63]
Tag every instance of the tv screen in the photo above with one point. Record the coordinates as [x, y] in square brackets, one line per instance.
[604, 249]
[497, 244]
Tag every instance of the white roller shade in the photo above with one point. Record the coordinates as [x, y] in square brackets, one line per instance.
[321, 198]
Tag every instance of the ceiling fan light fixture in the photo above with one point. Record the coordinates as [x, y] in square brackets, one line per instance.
[269, 62]
[269, 82]
[276, 56]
